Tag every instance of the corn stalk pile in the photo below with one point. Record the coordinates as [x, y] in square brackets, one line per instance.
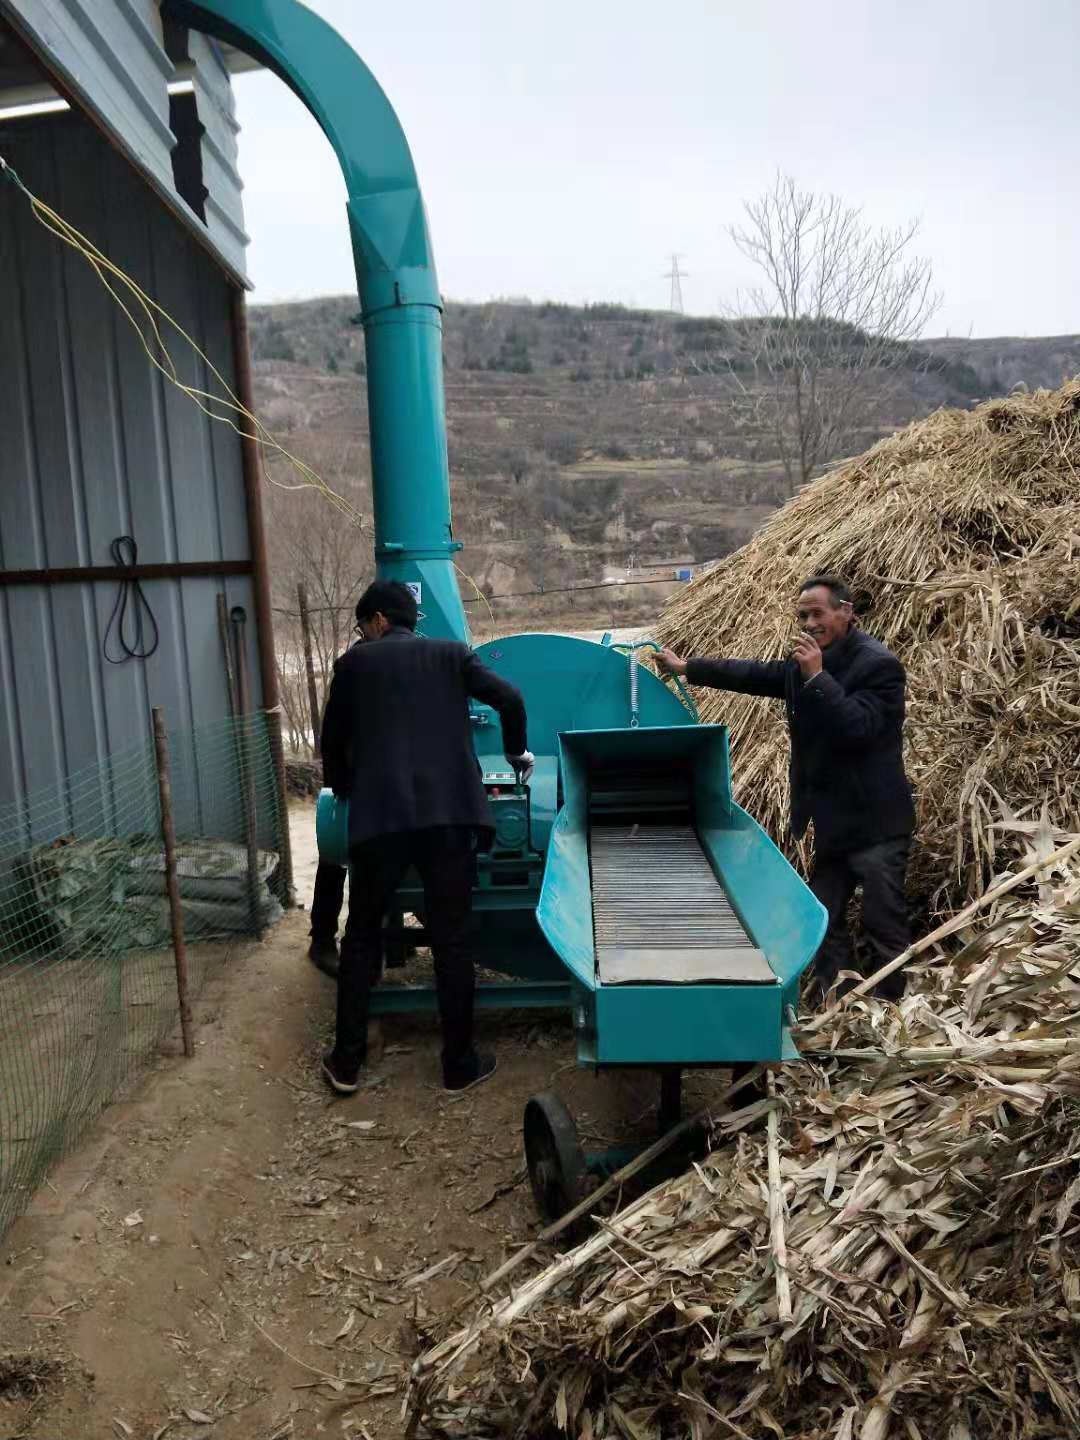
[961, 538]
[895, 1252]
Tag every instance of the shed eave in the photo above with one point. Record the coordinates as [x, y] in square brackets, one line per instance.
[67, 87]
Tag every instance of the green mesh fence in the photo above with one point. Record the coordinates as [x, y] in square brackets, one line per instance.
[87, 972]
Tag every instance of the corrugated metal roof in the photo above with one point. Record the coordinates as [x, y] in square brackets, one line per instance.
[111, 55]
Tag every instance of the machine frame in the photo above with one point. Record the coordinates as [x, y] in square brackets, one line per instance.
[533, 905]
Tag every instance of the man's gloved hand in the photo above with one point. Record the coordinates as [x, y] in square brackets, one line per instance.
[523, 765]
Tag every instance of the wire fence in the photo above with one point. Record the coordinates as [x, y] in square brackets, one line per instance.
[88, 976]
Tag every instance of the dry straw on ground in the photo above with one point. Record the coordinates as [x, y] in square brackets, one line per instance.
[961, 535]
[894, 1255]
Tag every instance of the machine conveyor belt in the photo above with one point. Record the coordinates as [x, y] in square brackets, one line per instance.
[660, 915]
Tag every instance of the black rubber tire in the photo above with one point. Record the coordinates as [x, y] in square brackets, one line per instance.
[556, 1162]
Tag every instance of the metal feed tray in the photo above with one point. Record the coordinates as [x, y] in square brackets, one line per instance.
[660, 915]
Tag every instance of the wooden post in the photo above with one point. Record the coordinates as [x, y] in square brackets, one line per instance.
[264, 618]
[172, 885]
[247, 778]
[313, 694]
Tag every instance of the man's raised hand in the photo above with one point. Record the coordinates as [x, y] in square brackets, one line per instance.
[807, 655]
[668, 663]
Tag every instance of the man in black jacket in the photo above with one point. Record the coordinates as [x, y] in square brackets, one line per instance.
[326, 901]
[843, 692]
[397, 741]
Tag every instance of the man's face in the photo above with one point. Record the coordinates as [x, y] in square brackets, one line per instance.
[820, 616]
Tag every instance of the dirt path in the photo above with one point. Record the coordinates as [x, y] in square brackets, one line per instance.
[232, 1211]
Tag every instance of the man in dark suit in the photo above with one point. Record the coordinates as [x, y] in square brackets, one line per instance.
[397, 741]
[843, 692]
[327, 899]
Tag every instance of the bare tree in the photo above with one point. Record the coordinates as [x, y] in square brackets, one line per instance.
[310, 542]
[828, 328]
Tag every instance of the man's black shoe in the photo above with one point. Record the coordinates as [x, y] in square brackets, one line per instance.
[475, 1074]
[340, 1078]
[323, 954]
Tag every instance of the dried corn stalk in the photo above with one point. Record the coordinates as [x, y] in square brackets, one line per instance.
[961, 534]
[929, 1193]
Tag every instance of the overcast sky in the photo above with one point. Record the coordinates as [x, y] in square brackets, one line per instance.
[565, 150]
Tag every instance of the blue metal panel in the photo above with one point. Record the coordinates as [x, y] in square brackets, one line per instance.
[776, 907]
[332, 828]
[564, 913]
[98, 445]
[572, 685]
[687, 1024]
[396, 281]
[110, 53]
[677, 1023]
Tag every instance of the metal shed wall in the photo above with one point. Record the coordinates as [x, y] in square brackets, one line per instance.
[111, 54]
[97, 444]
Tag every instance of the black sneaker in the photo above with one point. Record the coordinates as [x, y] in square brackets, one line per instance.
[323, 954]
[345, 1081]
[480, 1070]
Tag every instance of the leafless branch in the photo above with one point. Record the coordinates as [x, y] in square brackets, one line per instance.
[830, 324]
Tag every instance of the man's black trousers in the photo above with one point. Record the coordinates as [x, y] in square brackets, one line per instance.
[880, 870]
[327, 901]
[445, 857]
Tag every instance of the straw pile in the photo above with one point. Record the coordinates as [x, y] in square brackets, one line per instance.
[961, 536]
[887, 1246]
[896, 1253]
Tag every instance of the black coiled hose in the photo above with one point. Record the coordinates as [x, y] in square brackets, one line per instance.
[130, 609]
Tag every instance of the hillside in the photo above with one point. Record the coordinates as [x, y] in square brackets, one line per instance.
[1002, 364]
[586, 445]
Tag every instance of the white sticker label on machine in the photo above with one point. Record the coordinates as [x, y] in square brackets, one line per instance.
[415, 589]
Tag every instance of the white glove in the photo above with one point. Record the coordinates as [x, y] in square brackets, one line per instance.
[523, 765]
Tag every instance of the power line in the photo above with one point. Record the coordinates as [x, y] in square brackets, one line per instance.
[676, 276]
[507, 595]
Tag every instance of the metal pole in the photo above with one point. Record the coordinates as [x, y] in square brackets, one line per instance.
[264, 619]
[226, 648]
[396, 282]
[172, 886]
[247, 778]
[313, 694]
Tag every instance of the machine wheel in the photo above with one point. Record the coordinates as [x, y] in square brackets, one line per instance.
[556, 1161]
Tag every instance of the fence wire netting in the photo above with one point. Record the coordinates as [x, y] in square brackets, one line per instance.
[88, 986]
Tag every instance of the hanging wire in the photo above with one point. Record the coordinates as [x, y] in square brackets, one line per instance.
[158, 353]
[479, 593]
[131, 641]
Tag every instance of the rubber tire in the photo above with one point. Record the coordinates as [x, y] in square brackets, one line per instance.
[558, 1173]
